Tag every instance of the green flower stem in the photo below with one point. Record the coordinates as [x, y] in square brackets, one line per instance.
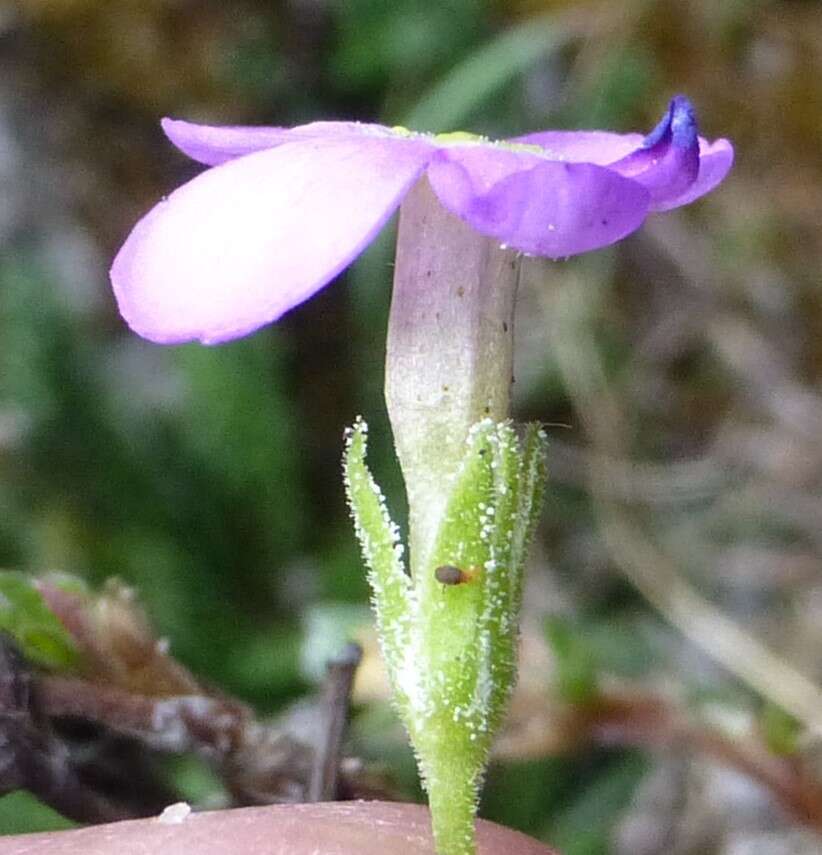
[449, 359]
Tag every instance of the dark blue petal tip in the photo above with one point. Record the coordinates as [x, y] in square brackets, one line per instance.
[679, 121]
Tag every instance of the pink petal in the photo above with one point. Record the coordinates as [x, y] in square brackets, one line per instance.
[214, 144]
[544, 208]
[245, 242]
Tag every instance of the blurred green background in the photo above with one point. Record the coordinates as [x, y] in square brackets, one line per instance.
[681, 370]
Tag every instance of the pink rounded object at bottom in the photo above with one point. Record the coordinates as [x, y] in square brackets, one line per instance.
[327, 828]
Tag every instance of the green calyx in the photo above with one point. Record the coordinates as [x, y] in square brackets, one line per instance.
[450, 648]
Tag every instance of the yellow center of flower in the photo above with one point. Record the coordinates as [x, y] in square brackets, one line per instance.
[459, 137]
[527, 147]
[467, 138]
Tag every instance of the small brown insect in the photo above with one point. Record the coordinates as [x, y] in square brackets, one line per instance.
[448, 574]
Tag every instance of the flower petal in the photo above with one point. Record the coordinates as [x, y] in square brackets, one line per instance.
[672, 162]
[545, 208]
[715, 161]
[667, 162]
[213, 145]
[597, 147]
[245, 242]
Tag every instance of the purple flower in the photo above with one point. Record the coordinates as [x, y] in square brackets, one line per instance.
[281, 211]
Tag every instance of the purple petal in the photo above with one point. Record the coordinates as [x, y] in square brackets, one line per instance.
[597, 147]
[672, 162]
[667, 162]
[545, 208]
[715, 161]
[245, 242]
[213, 145]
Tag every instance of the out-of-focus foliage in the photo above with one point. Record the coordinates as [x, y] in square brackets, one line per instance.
[575, 665]
[24, 615]
[21, 813]
[686, 364]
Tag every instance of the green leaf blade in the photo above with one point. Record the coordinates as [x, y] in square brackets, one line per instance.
[25, 616]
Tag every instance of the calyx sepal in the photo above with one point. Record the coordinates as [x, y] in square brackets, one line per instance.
[450, 648]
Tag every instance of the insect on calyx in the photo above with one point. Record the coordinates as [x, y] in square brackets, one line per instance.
[449, 574]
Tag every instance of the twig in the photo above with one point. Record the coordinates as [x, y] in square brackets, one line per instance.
[335, 707]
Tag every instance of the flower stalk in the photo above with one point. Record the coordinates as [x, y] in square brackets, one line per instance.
[474, 491]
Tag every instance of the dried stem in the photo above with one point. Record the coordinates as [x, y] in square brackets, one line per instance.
[335, 705]
[651, 721]
[650, 570]
[113, 776]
